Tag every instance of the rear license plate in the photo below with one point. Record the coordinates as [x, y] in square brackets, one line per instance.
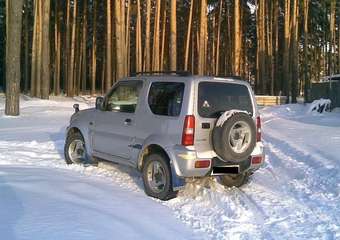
[234, 169]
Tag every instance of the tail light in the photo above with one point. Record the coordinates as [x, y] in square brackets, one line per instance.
[188, 134]
[258, 129]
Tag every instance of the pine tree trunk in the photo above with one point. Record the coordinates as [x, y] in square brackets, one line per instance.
[35, 56]
[286, 56]
[45, 51]
[127, 39]
[202, 36]
[27, 48]
[84, 52]
[261, 48]
[218, 40]
[173, 36]
[295, 52]
[164, 32]
[332, 42]
[108, 77]
[237, 38]
[277, 76]
[155, 52]
[71, 67]
[305, 50]
[13, 73]
[94, 49]
[68, 46]
[57, 49]
[187, 45]
[138, 39]
[37, 50]
[147, 60]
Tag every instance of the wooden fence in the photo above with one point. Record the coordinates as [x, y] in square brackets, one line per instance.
[270, 100]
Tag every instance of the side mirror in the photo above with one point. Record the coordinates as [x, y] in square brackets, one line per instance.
[99, 103]
[76, 108]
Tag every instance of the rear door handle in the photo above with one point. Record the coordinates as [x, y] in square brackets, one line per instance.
[128, 121]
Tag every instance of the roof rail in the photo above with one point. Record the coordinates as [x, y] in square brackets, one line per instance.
[230, 76]
[179, 73]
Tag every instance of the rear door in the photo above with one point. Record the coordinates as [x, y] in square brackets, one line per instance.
[213, 99]
[114, 128]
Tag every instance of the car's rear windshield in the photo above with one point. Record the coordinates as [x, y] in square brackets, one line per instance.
[215, 98]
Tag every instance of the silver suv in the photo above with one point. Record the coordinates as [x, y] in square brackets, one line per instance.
[172, 127]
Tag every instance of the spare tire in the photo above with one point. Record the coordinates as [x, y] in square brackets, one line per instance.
[235, 139]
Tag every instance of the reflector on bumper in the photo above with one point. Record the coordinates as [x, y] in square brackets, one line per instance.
[202, 164]
[256, 160]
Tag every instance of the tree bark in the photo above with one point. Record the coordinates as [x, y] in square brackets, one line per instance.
[237, 38]
[187, 45]
[94, 49]
[217, 69]
[305, 50]
[173, 36]
[138, 39]
[13, 41]
[332, 33]
[155, 52]
[84, 49]
[108, 78]
[45, 51]
[147, 37]
[27, 47]
[57, 70]
[67, 43]
[295, 51]
[164, 32]
[202, 36]
[286, 56]
[70, 77]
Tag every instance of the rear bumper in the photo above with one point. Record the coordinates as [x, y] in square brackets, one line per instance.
[183, 161]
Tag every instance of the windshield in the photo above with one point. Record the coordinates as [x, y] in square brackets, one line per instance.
[217, 97]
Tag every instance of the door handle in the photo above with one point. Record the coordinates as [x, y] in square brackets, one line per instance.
[127, 121]
[91, 123]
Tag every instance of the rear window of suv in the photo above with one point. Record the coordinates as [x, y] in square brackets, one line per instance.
[215, 98]
[165, 98]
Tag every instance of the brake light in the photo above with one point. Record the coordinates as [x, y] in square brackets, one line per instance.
[188, 134]
[258, 129]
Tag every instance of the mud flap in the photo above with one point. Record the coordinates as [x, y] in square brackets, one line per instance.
[177, 182]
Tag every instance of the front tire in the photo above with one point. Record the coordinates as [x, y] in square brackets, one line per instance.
[75, 150]
[157, 177]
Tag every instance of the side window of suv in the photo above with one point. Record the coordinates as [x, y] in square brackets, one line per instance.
[165, 98]
[124, 97]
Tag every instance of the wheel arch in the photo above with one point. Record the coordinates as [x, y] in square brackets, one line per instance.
[176, 181]
[75, 129]
[147, 150]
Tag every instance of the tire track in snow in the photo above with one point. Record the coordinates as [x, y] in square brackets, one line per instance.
[300, 183]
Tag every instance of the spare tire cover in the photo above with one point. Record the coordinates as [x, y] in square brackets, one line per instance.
[235, 139]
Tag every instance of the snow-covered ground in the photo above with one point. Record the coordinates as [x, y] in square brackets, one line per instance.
[296, 195]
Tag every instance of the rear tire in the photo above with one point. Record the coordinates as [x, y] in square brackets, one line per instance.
[234, 181]
[157, 177]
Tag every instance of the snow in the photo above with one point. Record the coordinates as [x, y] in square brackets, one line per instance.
[320, 106]
[295, 195]
[226, 115]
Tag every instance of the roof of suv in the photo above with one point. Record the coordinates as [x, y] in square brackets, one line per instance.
[187, 78]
